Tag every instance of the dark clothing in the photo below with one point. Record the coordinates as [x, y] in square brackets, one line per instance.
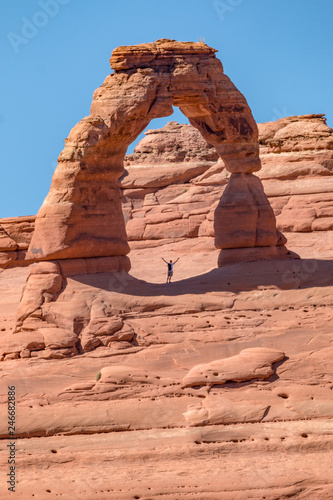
[170, 269]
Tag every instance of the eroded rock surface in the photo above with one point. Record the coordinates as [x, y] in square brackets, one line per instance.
[123, 406]
[296, 180]
[15, 237]
[248, 364]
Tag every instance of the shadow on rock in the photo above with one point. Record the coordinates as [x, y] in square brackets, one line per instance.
[283, 275]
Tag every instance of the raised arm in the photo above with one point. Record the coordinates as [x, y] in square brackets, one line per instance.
[164, 260]
[176, 260]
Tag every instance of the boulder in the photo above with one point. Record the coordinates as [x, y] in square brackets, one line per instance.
[244, 217]
[249, 364]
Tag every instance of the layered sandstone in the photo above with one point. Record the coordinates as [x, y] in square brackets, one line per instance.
[157, 207]
[82, 218]
[180, 203]
[297, 160]
[173, 181]
[215, 386]
[15, 237]
[259, 331]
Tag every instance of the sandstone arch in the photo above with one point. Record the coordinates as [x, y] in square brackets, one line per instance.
[82, 216]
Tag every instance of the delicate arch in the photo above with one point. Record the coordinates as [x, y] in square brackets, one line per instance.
[82, 214]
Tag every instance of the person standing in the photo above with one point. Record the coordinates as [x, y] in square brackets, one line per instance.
[170, 269]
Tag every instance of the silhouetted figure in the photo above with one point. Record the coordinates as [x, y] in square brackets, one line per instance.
[170, 269]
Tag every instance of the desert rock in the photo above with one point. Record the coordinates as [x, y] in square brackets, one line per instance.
[82, 214]
[248, 364]
[15, 237]
[110, 368]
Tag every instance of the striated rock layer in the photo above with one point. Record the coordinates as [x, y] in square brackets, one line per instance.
[215, 386]
[15, 237]
[137, 417]
[297, 159]
[181, 206]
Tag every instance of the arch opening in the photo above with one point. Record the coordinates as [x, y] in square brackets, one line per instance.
[157, 123]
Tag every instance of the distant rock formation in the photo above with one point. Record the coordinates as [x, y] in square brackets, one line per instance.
[297, 161]
[292, 174]
[173, 144]
[15, 237]
[165, 199]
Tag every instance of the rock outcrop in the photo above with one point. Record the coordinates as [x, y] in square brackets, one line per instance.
[82, 218]
[164, 201]
[247, 365]
[244, 219]
[15, 237]
[173, 144]
[158, 209]
[297, 160]
[223, 366]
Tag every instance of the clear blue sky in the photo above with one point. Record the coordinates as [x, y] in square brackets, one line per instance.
[277, 52]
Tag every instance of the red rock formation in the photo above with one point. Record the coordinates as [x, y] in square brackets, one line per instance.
[172, 144]
[293, 181]
[244, 217]
[244, 220]
[297, 159]
[244, 223]
[15, 237]
[296, 133]
[248, 364]
[82, 216]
